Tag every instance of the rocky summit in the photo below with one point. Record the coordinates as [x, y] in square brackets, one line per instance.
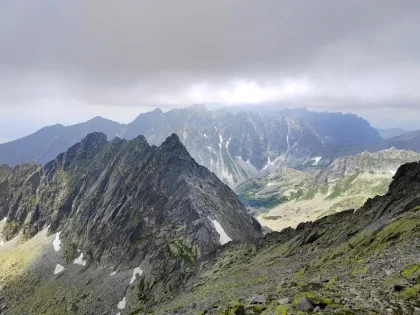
[111, 226]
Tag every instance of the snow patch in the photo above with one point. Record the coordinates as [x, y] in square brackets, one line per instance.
[4, 219]
[316, 160]
[224, 238]
[58, 269]
[269, 184]
[113, 273]
[270, 163]
[205, 136]
[1, 243]
[57, 242]
[80, 261]
[227, 143]
[121, 305]
[136, 272]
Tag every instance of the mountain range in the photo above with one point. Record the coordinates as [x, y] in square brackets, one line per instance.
[392, 132]
[235, 146]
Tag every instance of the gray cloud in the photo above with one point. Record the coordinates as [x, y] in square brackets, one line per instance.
[334, 54]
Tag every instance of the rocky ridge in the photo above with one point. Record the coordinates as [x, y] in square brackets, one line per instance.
[121, 204]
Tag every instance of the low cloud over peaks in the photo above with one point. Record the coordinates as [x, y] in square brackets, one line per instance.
[136, 54]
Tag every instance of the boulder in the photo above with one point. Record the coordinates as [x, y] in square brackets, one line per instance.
[304, 304]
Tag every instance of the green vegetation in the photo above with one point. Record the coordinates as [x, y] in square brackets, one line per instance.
[183, 249]
[69, 252]
[314, 297]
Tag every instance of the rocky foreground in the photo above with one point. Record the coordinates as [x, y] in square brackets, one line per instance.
[354, 262]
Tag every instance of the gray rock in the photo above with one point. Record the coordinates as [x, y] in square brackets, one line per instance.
[257, 299]
[304, 304]
[317, 309]
[240, 310]
[284, 301]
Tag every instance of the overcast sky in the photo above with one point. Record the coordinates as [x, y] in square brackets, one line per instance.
[67, 61]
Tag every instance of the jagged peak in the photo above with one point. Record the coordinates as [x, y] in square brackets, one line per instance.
[174, 145]
[93, 138]
[172, 141]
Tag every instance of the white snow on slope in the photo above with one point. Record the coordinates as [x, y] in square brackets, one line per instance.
[227, 143]
[224, 238]
[80, 261]
[57, 242]
[5, 219]
[1, 243]
[121, 305]
[58, 269]
[136, 272]
[317, 159]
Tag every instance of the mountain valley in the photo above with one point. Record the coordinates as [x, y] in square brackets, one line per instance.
[288, 197]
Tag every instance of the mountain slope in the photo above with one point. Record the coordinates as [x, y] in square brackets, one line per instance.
[45, 144]
[392, 132]
[353, 262]
[407, 141]
[288, 197]
[122, 204]
[337, 128]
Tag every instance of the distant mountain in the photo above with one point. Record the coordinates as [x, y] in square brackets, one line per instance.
[337, 128]
[288, 197]
[235, 146]
[392, 132]
[407, 141]
[45, 144]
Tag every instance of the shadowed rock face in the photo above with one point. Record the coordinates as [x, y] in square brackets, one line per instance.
[127, 204]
